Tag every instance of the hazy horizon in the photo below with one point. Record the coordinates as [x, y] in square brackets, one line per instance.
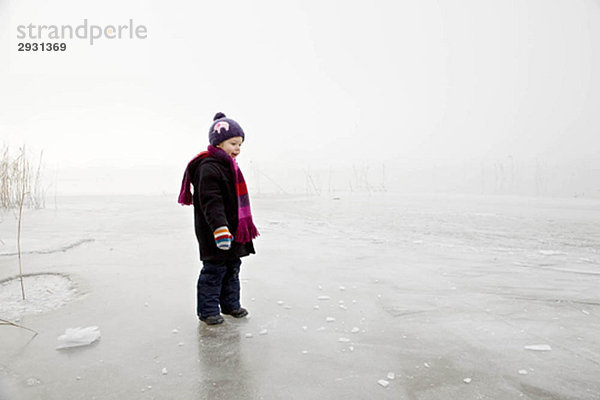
[503, 88]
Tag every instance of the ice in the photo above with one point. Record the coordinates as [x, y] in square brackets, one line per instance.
[383, 382]
[249, 335]
[175, 331]
[479, 323]
[344, 340]
[342, 288]
[280, 303]
[324, 297]
[391, 376]
[330, 319]
[164, 371]
[538, 347]
[263, 332]
[75, 337]
[523, 372]
[467, 380]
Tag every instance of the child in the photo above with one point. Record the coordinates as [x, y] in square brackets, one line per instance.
[222, 219]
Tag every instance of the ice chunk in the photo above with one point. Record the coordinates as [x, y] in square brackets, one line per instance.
[249, 335]
[330, 319]
[552, 253]
[343, 307]
[316, 307]
[33, 381]
[383, 382]
[467, 380]
[523, 372]
[538, 347]
[342, 288]
[344, 340]
[391, 376]
[263, 332]
[356, 329]
[175, 331]
[323, 297]
[280, 302]
[74, 337]
[164, 371]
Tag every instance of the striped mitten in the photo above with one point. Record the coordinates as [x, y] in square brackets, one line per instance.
[223, 238]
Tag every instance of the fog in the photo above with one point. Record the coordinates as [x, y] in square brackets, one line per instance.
[429, 96]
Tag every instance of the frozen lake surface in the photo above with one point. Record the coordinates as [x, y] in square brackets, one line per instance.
[354, 296]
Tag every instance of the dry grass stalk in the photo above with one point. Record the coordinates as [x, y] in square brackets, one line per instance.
[19, 230]
[16, 173]
[5, 322]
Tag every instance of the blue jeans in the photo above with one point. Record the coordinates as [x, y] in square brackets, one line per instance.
[218, 285]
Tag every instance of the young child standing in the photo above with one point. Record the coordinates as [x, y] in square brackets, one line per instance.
[222, 218]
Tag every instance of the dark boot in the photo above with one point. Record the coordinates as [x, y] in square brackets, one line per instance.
[239, 313]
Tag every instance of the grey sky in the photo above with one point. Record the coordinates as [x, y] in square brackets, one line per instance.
[312, 83]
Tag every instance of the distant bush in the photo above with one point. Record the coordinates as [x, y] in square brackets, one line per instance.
[20, 180]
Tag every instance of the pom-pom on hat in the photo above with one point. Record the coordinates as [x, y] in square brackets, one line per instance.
[223, 128]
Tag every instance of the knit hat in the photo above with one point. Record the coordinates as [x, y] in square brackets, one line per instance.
[223, 128]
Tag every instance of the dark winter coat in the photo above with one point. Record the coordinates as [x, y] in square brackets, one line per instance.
[215, 205]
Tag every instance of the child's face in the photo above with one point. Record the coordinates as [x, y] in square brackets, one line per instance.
[232, 146]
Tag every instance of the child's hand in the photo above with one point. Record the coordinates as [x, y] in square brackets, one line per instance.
[223, 238]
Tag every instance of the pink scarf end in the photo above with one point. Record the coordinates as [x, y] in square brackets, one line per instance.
[246, 231]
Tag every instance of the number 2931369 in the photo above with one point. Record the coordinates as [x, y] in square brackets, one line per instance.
[42, 46]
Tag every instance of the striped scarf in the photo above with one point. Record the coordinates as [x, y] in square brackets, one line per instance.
[246, 231]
